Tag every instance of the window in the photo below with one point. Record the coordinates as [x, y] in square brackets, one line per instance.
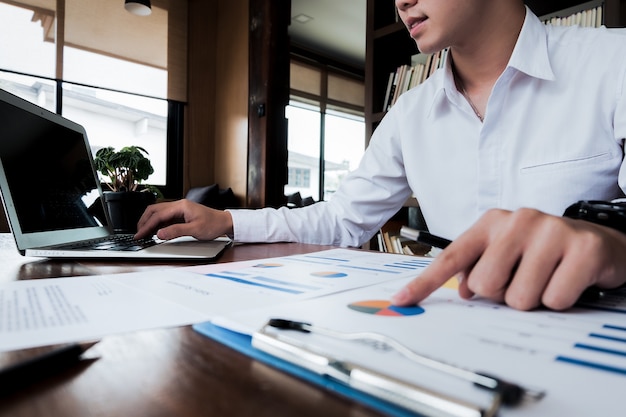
[344, 144]
[37, 90]
[300, 177]
[104, 68]
[303, 146]
[120, 119]
[22, 29]
[326, 136]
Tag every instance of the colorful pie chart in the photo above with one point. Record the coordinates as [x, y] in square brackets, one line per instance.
[384, 308]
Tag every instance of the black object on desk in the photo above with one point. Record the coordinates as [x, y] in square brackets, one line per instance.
[424, 237]
[42, 366]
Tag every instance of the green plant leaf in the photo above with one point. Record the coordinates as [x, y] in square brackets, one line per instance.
[126, 168]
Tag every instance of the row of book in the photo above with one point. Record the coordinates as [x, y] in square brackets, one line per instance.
[408, 76]
[585, 18]
[392, 242]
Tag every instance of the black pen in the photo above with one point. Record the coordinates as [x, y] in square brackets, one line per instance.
[41, 366]
[424, 237]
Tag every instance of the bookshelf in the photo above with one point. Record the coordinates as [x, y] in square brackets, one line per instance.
[389, 46]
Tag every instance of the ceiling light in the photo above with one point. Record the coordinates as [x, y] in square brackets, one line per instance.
[302, 18]
[138, 7]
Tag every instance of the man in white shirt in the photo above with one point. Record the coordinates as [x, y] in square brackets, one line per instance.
[522, 121]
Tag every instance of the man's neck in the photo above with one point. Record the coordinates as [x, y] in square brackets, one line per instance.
[479, 61]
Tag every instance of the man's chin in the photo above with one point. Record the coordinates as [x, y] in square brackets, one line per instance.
[426, 46]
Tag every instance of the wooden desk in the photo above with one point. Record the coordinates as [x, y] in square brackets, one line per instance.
[166, 372]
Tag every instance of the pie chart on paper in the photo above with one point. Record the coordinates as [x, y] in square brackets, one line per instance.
[384, 308]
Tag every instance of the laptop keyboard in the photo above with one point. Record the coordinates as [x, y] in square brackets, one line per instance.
[122, 242]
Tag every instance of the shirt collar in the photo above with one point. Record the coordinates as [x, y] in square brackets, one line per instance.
[530, 56]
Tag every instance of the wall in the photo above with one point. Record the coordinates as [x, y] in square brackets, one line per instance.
[231, 105]
[218, 95]
[199, 142]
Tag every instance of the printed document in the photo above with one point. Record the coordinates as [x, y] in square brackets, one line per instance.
[577, 358]
[58, 310]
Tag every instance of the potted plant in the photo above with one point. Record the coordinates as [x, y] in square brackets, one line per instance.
[127, 197]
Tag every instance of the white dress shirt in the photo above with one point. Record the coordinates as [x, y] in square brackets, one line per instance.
[553, 134]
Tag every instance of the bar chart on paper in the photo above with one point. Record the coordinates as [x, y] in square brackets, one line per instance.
[591, 336]
[220, 288]
[603, 350]
[329, 274]
[313, 273]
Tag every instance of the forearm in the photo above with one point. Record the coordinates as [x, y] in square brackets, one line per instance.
[323, 223]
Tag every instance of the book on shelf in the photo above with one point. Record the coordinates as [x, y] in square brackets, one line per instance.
[408, 76]
[585, 18]
[391, 242]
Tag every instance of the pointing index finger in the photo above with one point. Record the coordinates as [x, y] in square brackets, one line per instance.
[457, 257]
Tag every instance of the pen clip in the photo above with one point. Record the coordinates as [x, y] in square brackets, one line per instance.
[402, 393]
[511, 394]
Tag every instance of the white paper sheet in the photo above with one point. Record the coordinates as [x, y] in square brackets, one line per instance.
[578, 357]
[50, 311]
[59, 310]
[222, 288]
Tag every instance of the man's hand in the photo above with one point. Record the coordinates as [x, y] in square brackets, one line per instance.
[526, 259]
[183, 218]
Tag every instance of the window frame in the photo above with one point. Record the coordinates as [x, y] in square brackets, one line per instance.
[174, 148]
[325, 67]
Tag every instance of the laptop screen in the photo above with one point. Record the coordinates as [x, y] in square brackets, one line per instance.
[47, 168]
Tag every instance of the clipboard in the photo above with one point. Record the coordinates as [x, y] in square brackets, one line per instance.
[382, 392]
[243, 343]
[557, 354]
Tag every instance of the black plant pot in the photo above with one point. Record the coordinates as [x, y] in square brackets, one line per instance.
[126, 207]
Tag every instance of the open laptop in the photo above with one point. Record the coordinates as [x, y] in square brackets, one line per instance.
[52, 195]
